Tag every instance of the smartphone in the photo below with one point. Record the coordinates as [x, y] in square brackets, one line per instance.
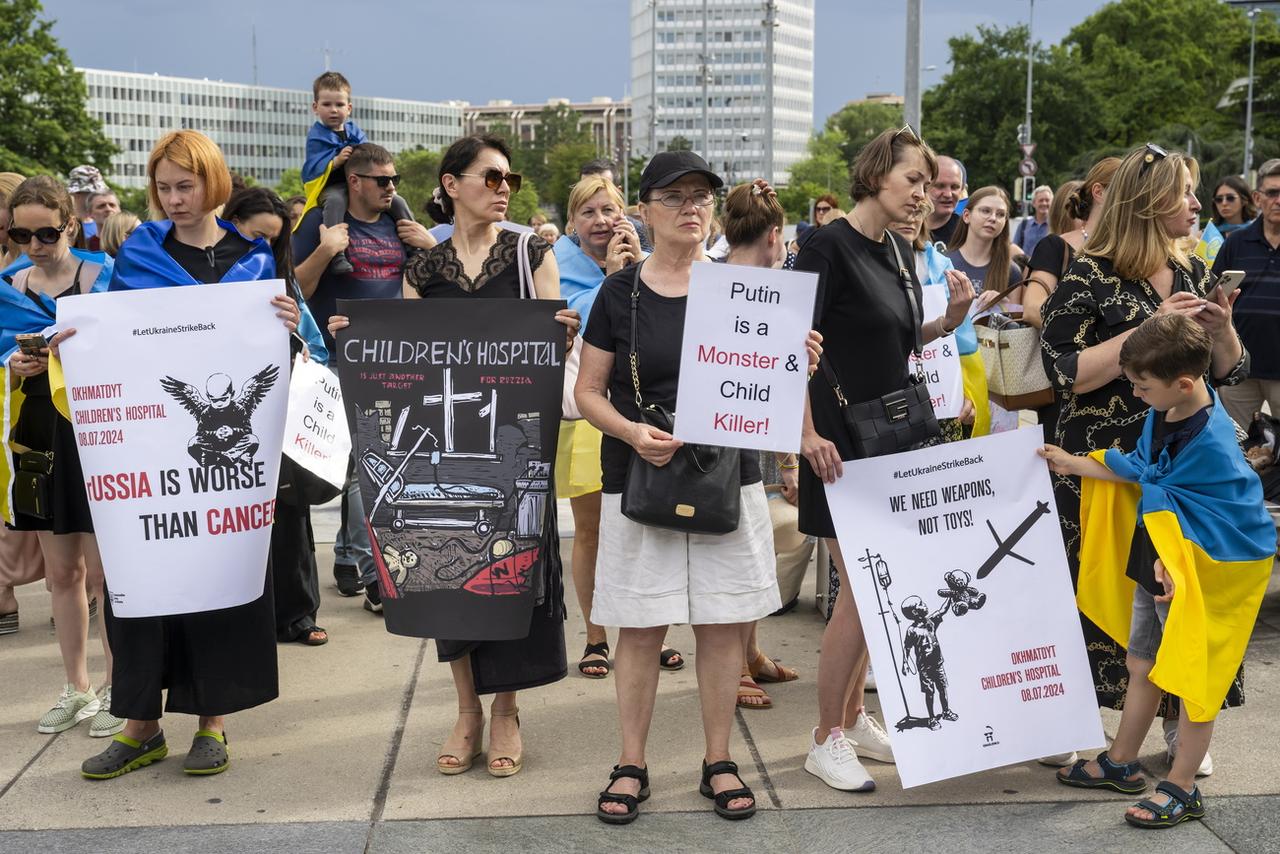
[1227, 282]
[32, 343]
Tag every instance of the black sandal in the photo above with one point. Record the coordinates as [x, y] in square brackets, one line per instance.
[631, 802]
[1114, 776]
[666, 656]
[601, 649]
[1181, 806]
[722, 800]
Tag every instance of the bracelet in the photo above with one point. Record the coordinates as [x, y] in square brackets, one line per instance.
[785, 466]
[943, 331]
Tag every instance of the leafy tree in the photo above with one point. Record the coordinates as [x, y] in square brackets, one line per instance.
[42, 99]
[419, 176]
[826, 166]
[679, 143]
[523, 204]
[290, 183]
[132, 199]
[796, 197]
[564, 166]
[861, 123]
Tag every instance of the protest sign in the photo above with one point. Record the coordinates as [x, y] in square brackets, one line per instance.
[454, 409]
[178, 399]
[743, 364]
[957, 564]
[315, 428]
[940, 360]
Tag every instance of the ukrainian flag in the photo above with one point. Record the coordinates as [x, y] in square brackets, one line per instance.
[1210, 242]
[1204, 512]
[323, 145]
[20, 314]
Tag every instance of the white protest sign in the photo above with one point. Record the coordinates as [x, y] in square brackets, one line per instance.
[941, 360]
[315, 429]
[743, 364]
[956, 561]
[178, 400]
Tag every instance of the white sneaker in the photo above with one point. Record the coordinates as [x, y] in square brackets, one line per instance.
[871, 681]
[1171, 741]
[72, 708]
[870, 739]
[835, 763]
[105, 724]
[1060, 760]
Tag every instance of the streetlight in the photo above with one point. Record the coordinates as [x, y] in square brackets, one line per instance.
[1248, 109]
[1026, 126]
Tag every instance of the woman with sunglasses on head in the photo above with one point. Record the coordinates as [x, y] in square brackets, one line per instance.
[1233, 206]
[214, 663]
[870, 329]
[649, 577]
[43, 225]
[1130, 268]
[478, 261]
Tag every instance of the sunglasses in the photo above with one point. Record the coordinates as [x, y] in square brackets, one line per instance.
[383, 181]
[48, 235]
[822, 208]
[1226, 197]
[1273, 193]
[493, 179]
[1153, 153]
[908, 130]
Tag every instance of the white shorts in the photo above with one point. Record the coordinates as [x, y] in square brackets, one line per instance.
[648, 576]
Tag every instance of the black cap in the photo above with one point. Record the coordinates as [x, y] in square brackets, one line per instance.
[667, 167]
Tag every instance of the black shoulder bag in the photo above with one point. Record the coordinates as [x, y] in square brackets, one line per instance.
[698, 491]
[900, 420]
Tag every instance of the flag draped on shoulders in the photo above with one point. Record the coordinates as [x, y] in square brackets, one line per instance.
[323, 144]
[20, 314]
[144, 263]
[104, 262]
[1205, 515]
[580, 277]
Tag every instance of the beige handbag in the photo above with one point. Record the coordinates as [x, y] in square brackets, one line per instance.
[1010, 350]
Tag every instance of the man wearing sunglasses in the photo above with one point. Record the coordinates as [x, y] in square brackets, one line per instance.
[377, 247]
[1255, 249]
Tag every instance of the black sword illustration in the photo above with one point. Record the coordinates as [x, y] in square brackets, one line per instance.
[1004, 548]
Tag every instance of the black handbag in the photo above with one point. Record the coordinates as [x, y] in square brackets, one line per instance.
[33, 485]
[699, 491]
[900, 420]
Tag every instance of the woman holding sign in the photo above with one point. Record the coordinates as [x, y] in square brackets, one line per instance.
[867, 320]
[218, 662]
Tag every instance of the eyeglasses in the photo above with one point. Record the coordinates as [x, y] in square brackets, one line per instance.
[1273, 193]
[1154, 153]
[382, 181]
[676, 199]
[989, 213]
[1226, 197]
[48, 235]
[493, 179]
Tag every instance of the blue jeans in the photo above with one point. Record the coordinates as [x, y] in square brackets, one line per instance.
[351, 543]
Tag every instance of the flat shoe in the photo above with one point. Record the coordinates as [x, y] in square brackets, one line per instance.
[123, 755]
[208, 754]
[763, 668]
[748, 689]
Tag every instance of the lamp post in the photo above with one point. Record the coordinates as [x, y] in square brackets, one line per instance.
[911, 87]
[770, 23]
[1026, 124]
[705, 56]
[1248, 108]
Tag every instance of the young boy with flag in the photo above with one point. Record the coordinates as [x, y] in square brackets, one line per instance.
[1184, 514]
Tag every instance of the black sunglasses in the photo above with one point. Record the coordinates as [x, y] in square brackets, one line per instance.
[1226, 197]
[382, 181]
[48, 235]
[1154, 153]
[493, 179]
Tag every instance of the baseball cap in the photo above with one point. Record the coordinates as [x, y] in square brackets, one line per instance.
[667, 167]
[86, 179]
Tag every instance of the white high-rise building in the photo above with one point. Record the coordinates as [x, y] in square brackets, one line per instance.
[261, 130]
[667, 69]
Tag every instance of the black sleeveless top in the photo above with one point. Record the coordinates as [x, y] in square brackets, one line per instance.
[438, 271]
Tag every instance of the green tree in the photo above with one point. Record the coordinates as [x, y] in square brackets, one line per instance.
[861, 123]
[825, 165]
[419, 171]
[42, 99]
[290, 184]
[523, 204]
[564, 167]
[132, 199]
[679, 143]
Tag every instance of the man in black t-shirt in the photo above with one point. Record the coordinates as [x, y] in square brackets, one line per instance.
[377, 247]
[945, 193]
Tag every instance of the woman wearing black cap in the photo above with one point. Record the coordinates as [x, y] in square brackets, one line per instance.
[649, 577]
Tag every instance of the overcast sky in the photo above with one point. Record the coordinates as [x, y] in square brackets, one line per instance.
[484, 49]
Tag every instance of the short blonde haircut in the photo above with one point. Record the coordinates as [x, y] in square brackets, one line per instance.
[115, 230]
[195, 152]
[582, 192]
[1146, 190]
[9, 182]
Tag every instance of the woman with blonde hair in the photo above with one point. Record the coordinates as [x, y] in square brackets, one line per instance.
[1131, 267]
[116, 230]
[9, 182]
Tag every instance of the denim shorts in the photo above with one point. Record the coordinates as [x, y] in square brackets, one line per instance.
[1147, 625]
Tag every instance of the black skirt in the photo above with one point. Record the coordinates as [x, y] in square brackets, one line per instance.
[41, 427]
[212, 663]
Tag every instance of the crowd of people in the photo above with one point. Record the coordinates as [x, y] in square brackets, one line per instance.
[1101, 268]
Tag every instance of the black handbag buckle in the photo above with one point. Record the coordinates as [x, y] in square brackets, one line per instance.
[896, 407]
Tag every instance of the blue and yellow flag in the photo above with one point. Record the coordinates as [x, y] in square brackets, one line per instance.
[20, 314]
[324, 144]
[1210, 242]
[1205, 514]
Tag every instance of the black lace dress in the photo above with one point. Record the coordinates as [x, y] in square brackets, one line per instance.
[539, 658]
[1092, 304]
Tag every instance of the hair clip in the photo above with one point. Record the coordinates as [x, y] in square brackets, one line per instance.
[437, 197]
[755, 190]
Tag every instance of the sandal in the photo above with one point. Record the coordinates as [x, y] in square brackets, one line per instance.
[123, 755]
[208, 754]
[760, 674]
[1114, 776]
[631, 802]
[723, 798]
[747, 688]
[602, 663]
[517, 761]
[1181, 806]
[312, 636]
[667, 656]
[8, 623]
[463, 763]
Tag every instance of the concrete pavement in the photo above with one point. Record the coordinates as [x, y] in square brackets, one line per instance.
[344, 762]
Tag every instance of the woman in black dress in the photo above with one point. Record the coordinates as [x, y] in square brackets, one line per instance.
[478, 261]
[865, 320]
[1130, 268]
[211, 663]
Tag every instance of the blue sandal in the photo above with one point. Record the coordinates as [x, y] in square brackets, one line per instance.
[1181, 806]
[1114, 776]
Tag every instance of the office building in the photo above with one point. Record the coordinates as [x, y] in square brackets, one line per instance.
[261, 130]
[672, 67]
[606, 120]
